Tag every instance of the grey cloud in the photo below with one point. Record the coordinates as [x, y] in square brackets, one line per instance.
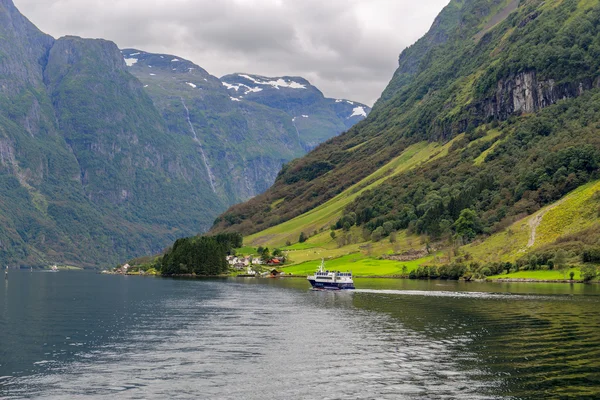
[348, 48]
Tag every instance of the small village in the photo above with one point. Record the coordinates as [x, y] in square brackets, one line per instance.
[244, 266]
[254, 265]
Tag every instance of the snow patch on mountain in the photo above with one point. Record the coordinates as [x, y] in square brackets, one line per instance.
[359, 112]
[234, 99]
[279, 83]
[230, 86]
[237, 87]
[131, 61]
[175, 60]
[191, 84]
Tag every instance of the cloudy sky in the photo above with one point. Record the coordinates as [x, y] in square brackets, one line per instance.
[348, 48]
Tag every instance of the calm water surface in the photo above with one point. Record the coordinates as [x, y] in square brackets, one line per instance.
[81, 335]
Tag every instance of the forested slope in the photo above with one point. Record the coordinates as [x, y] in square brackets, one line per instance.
[513, 84]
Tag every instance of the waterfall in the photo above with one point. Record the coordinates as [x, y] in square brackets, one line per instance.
[211, 176]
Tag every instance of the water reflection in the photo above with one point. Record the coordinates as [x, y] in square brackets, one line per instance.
[538, 346]
[69, 336]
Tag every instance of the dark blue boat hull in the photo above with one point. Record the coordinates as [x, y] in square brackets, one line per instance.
[331, 285]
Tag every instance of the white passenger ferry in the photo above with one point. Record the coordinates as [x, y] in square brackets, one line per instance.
[331, 280]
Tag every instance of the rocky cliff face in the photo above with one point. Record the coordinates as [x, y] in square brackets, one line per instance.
[523, 93]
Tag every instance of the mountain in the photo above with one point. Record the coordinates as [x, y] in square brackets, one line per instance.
[490, 117]
[246, 131]
[97, 165]
[314, 116]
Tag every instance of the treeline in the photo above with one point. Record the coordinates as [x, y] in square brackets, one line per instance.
[200, 255]
[456, 271]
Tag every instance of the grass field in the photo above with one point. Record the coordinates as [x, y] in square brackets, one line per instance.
[540, 275]
[578, 211]
[575, 212]
[359, 264]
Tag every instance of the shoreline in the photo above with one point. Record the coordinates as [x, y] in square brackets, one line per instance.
[529, 280]
[487, 280]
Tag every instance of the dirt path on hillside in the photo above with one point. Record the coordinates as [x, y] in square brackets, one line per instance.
[537, 220]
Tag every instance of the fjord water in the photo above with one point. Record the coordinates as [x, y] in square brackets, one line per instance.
[83, 335]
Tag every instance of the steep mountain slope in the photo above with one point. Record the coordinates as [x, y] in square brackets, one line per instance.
[512, 85]
[88, 172]
[245, 133]
[96, 166]
[242, 145]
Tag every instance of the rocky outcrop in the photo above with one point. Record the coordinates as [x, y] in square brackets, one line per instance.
[523, 93]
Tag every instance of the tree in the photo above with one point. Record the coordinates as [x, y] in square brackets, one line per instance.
[366, 234]
[277, 253]
[388, 227]
[203, 255]
[302, 237]
[393, 237]
[559, 260]
[377, 234]
[265, 256]
[588, 273]
[468, 225]
[332, 234]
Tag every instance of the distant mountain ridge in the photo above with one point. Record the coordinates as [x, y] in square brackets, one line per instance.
[97, 165]
[245, 133]
[299, 99]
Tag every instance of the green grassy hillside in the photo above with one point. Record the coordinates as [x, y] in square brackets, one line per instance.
[517, 80]
[558, 223]
[574, 213]
[323, 216]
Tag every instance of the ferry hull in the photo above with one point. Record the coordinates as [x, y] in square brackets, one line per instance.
[331, 285]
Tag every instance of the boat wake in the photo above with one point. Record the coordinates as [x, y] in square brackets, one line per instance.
[473, 295]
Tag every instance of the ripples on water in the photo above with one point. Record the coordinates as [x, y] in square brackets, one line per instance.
[151, 338]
